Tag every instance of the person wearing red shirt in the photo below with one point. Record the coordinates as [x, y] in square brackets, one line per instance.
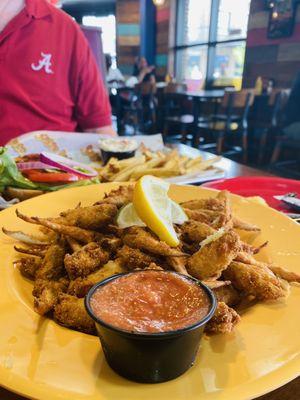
[48, 76]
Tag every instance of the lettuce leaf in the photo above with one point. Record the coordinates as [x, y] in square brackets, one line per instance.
[11, 176]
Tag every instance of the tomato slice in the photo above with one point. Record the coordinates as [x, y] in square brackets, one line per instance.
[49, 177]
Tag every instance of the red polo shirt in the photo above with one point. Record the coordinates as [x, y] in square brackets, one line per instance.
[48, 76]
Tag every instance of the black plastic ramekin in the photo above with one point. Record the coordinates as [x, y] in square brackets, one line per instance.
[150, 357]
[120, 155]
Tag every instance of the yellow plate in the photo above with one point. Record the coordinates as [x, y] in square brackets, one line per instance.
[42, 360]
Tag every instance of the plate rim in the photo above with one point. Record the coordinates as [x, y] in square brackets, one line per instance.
[285, 374]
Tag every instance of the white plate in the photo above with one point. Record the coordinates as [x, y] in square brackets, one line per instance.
[74, 144]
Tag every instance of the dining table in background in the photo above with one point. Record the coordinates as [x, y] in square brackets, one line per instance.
[197, 96]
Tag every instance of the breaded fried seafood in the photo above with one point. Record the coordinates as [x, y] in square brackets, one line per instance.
[83, 246]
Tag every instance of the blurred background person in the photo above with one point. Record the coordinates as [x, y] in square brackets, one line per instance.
[143, 72]
[113, 75]
[51, 78]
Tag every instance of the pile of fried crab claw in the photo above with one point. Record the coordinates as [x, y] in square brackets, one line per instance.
[84, 245]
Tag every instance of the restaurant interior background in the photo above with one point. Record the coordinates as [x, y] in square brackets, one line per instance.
[213, 87]
[196, 45]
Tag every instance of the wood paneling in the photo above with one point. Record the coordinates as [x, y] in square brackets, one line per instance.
[283, 72]
[258, 20]
[258, 37]
[162, 27]
[262, 54]
[128, 11]
[162, 60]
[128, 18]
[162, 48]
[162, 39]
[289, 52]
[130, 50]
[278, 59]
[128, 33]
[128, 29]
[257, 5]
[125, 60]
[129, 40]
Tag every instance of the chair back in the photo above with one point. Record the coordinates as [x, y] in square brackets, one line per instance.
[145, 89]
[175, 88]
[281, 107]
[221, 87]
[276, 103]
[243, 98]
[238, 103]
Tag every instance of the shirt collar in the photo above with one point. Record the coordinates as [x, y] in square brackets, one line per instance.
[37, 8]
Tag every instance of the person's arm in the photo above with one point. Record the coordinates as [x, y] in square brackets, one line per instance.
[92, 107]
[145, 71]
[152, 79]
[107, 130]
[142, 75]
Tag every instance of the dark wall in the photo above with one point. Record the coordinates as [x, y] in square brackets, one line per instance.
[79, 9]
[278, 59]
[163, 21]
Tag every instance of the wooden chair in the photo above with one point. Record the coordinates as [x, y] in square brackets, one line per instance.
[291, 166]
[174, 87]
[141, 112]
[182, 110]
[229, 124]
[176, 110]
[270, 124]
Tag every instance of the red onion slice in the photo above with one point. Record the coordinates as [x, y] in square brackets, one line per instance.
[23, 166]
[65, 164]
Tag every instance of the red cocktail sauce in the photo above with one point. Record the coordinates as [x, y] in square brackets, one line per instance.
[150, 301]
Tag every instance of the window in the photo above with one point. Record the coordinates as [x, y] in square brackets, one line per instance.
[192, 66]
[108, 26]
[233, 19]
[211, 41]
[196, 21]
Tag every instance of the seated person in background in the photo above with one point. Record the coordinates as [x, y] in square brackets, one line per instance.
[143, 71]
[114, 75]
[292, 112]
[50, 77]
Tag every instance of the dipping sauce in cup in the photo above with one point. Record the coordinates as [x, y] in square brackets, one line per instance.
[150, 322]
[117, 147]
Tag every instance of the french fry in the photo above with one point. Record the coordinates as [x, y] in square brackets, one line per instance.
[182, 161]
[172, 164]
[124, 175]
[193, 161]
[148, 165]
[159, 172]
[157, 163]
[171, 155]
[204, 165]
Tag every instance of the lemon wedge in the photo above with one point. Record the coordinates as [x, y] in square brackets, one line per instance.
[179, 217]
[154, 208]
[128, 216]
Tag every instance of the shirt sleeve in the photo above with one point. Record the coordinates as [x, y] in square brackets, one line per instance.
[92, 107]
